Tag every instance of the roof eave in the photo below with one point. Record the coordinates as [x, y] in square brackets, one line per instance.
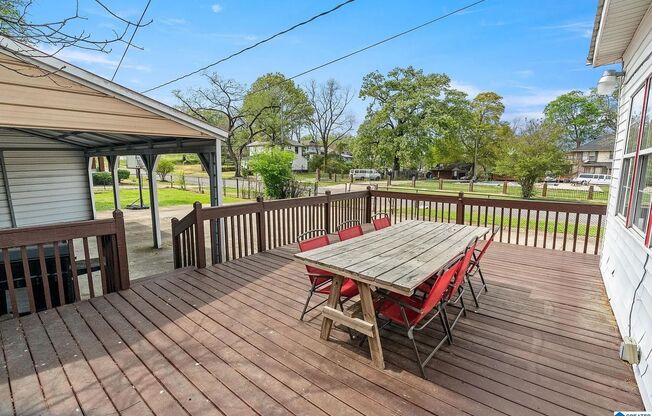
[74, 73]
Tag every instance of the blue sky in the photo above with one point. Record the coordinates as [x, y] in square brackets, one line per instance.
[527, 51]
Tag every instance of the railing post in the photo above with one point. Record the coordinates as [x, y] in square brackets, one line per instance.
[459, 214]
[471, 185]
[260, 224]
[590, 192]
[121, 248]
[200, 238]
[176, 241]
[441, 184]
[544, 192]
[367, 212]
[505, 187]
[327, 213]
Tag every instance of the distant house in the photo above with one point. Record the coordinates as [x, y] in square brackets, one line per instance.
[312, 148]
[595, 156]
[453, 171]
[299, 163]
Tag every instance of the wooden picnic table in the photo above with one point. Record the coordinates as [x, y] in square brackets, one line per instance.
[397, 259]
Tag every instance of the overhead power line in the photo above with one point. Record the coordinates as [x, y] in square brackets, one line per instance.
[267, 39]
[131, 39]
[373, 45]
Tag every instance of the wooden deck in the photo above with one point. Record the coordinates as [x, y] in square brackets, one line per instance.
[227, 340]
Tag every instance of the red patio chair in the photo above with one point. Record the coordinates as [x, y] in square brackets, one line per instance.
[411, 311]
[456, 288]
[320, 280]
[349, 229]
[381, 220]
[474, 268]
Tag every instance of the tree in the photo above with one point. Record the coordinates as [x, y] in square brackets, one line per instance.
[608, 107]
[531, 154]
[163, 168]
[408, 110]
[330, 122]
[475, 134]
[578, 115]
[275, 168]
[283, 107]
[220, 104]
[61, 33]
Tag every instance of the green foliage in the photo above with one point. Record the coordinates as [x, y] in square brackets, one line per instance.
[408, 111]
[531, 154]
[123, 174]
[275, 168]
[336, 164]
[164, 168]
[10, 9]
[101, 178]
[276, 108]
[578, 115]
[476, 134]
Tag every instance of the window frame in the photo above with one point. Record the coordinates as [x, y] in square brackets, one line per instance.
[635, 157]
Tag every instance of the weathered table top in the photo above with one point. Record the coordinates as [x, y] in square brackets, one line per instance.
[398, 258]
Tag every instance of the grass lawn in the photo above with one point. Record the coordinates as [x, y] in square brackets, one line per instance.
[167, 197]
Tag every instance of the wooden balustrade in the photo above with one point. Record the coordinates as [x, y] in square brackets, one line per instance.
[249, 228]
[42, 270]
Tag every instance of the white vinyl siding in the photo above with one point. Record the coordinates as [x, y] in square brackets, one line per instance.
[624, 251]
[48, 181]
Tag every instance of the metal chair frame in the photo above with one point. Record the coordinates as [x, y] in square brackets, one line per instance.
[348, 224]
[460, 287]
[380, 215]
[474, 268]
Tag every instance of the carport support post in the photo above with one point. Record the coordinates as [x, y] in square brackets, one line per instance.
[114, 165]
[211, 162]
[150, 164]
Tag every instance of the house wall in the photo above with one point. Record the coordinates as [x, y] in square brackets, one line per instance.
[624, 253]
[48, 181]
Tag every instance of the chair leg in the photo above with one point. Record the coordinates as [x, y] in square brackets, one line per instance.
[305, 307]
[475, 297]
[484, 284]
[449, 330]
[445, 327]
[462, 304]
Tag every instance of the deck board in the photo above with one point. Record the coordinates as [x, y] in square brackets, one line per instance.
[226, 340]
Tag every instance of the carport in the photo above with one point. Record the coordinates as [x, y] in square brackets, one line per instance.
[55, 117]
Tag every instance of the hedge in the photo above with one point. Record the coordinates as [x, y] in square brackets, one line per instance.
[101, 178]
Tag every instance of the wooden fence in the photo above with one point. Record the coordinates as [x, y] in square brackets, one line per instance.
[41, 268]
[245, 229]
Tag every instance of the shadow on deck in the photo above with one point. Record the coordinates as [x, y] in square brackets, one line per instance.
[227, 340]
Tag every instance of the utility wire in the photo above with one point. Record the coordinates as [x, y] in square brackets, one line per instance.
[373, 45]
[131, 39]
[267, 39]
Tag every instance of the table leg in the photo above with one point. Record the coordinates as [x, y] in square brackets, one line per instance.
[369, 315]
[333, 301]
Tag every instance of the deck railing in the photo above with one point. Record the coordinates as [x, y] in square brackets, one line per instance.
[41, 268]
[249, 228]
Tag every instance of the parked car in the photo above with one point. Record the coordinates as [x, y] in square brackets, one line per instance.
[370, 174]
[592, 179]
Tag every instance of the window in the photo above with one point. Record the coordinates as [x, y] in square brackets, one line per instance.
[635, 112]
[644, 174]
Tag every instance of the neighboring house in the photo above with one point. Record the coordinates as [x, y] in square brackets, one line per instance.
[625, 263]
[595, 156]
[299, 163]
[312, 148]
[453, 171]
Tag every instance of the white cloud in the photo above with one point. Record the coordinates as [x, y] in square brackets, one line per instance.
[581, 28]
[91, 59]
[469, 89]
[216, 8]
[526, 73]
[534, 98]
[172, 21]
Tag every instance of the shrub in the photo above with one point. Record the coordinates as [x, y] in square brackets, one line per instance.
[275, 168]
[101, 178]
[164, 168]
[123, 174]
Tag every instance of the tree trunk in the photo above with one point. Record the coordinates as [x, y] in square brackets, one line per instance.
[397, 166]
[325, 158]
